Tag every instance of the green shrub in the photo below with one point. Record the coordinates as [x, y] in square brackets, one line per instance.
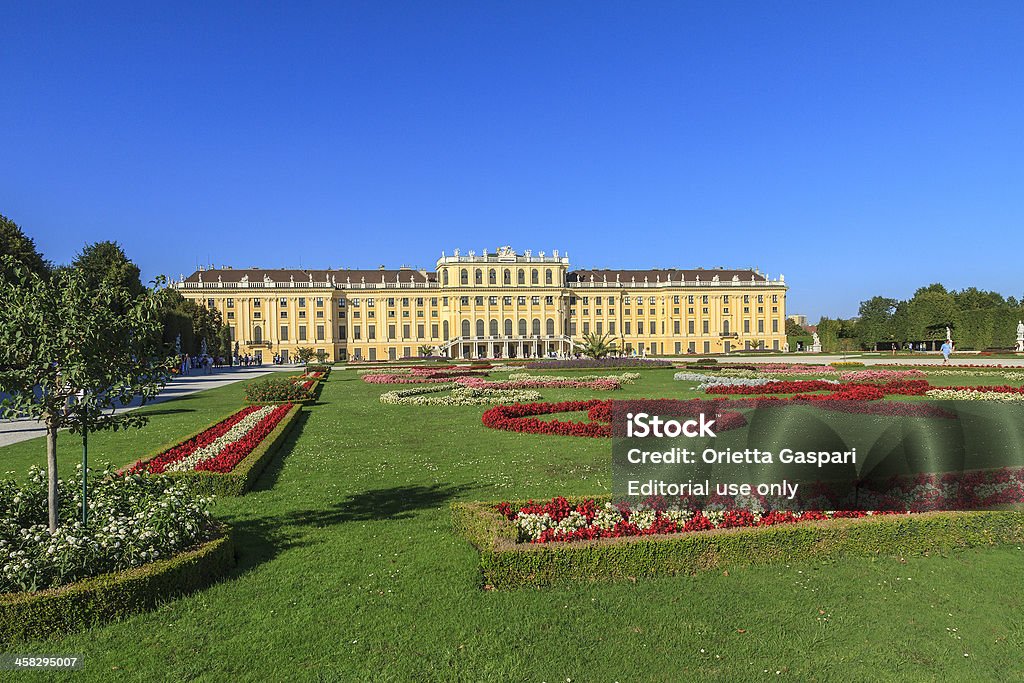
[507, 564]
[104, 598]
[276, 390]
[847, 364]
[705, 361]
[317, 367]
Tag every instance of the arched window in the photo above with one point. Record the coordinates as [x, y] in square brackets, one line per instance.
[551, 327]
[464, 277]
[508, 327]
[444, 277]
[522, 277]
[479, 276]
[465, 328]
[522, 327]
[492, 277]
[536, 327]
[494, 328]
[535, 277]
[480, 328]
[445, 328]
[547, 276]
[257, 334]
[508, 277]
[725, 326]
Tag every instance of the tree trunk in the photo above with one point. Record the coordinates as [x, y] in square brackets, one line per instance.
[53, 497]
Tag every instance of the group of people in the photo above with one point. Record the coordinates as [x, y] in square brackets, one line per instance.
[249, 360]
[203, 363]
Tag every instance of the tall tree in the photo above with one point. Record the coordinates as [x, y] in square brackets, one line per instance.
[102, 262]
[20, 247]
[875, 322]
[70, 354]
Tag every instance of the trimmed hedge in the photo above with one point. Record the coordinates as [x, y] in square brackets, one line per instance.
[239, 480]
[506, 564]
[279, 390]
[112, 596]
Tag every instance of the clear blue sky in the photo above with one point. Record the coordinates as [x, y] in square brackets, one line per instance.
[859, 148]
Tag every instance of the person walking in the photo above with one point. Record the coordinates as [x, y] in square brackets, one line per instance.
[947, 349]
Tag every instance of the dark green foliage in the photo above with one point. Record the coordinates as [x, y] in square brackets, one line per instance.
[507, 564]
[276, 390]
[21, 248]
[106, 262]
[26, 616]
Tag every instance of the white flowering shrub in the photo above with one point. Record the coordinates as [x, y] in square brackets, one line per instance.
[133, 519]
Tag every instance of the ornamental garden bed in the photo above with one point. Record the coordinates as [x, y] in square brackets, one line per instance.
[114, 595]
[599, 363]
[293, 389]
[227, 457]
[147, 539]
[506, 563]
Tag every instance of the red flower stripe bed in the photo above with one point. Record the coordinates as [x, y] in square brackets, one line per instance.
[222, 446]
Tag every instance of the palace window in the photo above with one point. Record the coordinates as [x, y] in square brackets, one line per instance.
[547, 276]
[506, 300]
[419, 301]
[391, 331]
[479, 301]
[492, 277]
[689, 299]
[639, 326]
[256, 303]
[760, 298]
[284, 314]
[521, 277]
[405, 301]
[775, 298]
[493, 301]
[284, 333]
[535, 300]
[355, 332]
[231, 303]
[319, 301]
[521, 300]
[464, 300]
[371, 302]
[549, 300]
[506, 277]
[586, 300]
[302, 333]
[464, 277]
[391, 302]
[320, 332]
[626, 300]
[478, 276]
[231, 315]
[705, 326]
[675, 299]
[405, 331]
[302, 301]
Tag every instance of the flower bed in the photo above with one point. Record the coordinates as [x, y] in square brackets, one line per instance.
[624, 378]
[593, 363]
[847, 364]
[981, 393]
[42, 614]
[602, 384]
[227, 457]
[134, 519]
[521, 417]
[795, 369]
[867, 392]
[280, 390]
[880, 375]
[459, 396]
[505, 563]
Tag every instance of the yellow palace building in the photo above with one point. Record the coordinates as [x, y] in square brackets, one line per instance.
[500, 304]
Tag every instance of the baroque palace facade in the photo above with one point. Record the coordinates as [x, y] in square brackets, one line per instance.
[500, 304]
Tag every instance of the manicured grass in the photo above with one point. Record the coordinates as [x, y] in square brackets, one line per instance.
[349, 570]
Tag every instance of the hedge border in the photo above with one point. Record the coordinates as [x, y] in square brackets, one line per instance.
[506, 564]
[313, 394]
[244, 475]
[115, 595]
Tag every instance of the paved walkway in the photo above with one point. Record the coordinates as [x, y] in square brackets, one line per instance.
[14, 431]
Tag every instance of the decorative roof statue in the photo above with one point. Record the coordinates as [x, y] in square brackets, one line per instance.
[506, 252]
[456, 252]
[267, 280]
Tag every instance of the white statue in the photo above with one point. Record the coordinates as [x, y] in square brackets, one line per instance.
[949, 335]
[1020, 335]
[815, 343]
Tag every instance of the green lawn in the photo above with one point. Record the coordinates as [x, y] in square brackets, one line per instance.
[349, 570]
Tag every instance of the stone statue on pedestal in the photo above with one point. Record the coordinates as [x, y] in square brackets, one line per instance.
[816, 343]
[1020, 335]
